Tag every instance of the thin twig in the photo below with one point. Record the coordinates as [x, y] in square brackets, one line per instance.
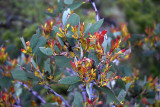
[95, 9]
[52, 91]
[33, 92]
[83, 89]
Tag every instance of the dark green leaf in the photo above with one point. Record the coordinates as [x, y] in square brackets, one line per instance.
[109, 93]
[77, 102]
[37, 88]
[70, 39]
[94, 57]
[47, 65]
[5, 82]
[56, 48]
[60, 41]
[50, 14]
[94, 28]
[125, 70]
[74, 86]
[35, 39]
[46, 51]
[49, 105]
[60, 6]
[31, 76]
[69, 80]
[63, 61]
[75, 5]
[151, 100]
[41, 42]
[121, 84]
[19, 74]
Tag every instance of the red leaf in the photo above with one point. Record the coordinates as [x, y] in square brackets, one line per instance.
[73, 65]
[53, 42]
[103, 32]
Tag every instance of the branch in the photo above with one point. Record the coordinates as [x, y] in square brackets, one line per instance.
[33, 92]
[95, 9]
[52, 91]
[83, 89]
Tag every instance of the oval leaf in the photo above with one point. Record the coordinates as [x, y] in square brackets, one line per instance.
[73, 19]
[94, 28]
[46, 51]
[69, 80]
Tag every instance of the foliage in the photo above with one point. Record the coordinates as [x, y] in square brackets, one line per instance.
[85, 60]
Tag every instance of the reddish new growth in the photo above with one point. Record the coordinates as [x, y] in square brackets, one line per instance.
[28, 49]
[47, 28]
[6, 97]
[84, 69]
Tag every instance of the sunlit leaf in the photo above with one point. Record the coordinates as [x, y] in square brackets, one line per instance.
[69, 80]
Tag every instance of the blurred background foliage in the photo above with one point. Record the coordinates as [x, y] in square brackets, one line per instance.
[22, 17]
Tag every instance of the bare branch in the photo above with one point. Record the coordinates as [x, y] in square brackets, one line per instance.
[53, 92]
[95, 9]
[33, 92]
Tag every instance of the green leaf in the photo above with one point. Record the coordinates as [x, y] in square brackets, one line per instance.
[68, 1]
[55, 28]
[125, 70]
[41, 42]
[35, 39]
[49, 105]
[69, 80]
[122, 95]
[121, 83]
[128, 86]
[70, 39]
[60, 41]
[60, 6]
[151, 100]
[50, 14]
[94, 57]
[56, 48]
[46, 51]
[88, 27]
[23, 42]
[94, 28]
[74, 85]
[31, 76]
[75, 5]
[63, 61]
[33, 63]
[109, 93]
[37, 87]
[65, 16]
[77, 102]
[74, 19]
[5, 82]
[47, 65]
[19, 74]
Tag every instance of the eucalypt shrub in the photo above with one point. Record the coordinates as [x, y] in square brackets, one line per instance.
[68, 52]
